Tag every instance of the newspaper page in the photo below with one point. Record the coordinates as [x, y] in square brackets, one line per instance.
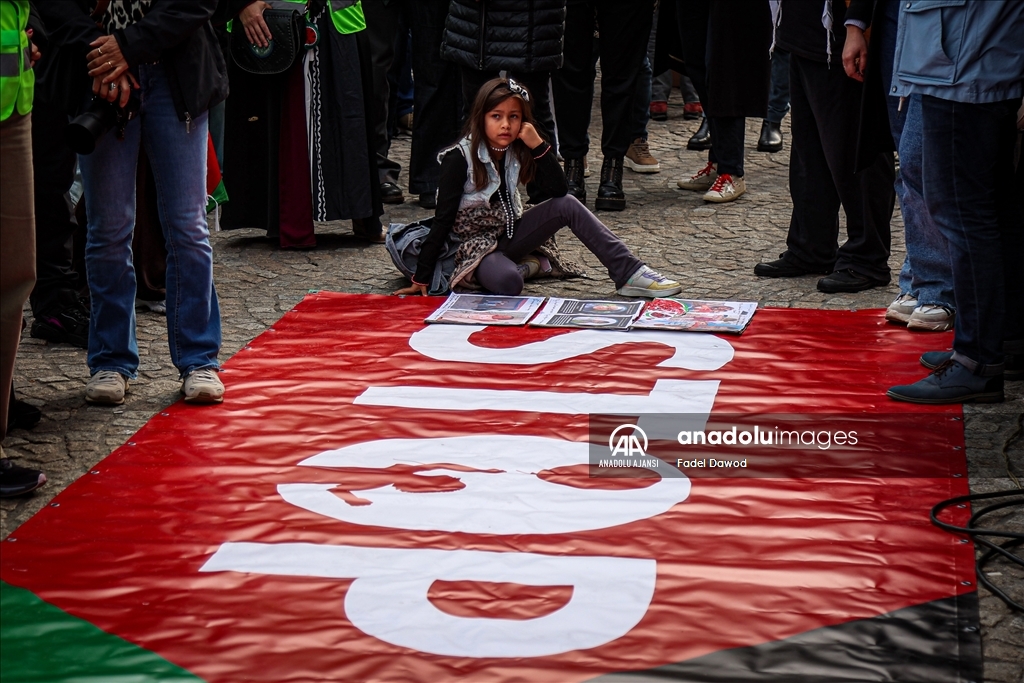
[606, 315]
[481, 309]
[696, 316]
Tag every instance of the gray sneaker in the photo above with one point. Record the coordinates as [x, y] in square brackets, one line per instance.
[901, 309]
[106, 387]
[931, 318]
[649, 283]
[203, 386]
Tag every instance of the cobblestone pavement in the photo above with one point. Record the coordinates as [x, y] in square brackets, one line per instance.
[711, 249]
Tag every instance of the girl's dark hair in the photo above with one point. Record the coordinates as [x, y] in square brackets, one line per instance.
[491, 94]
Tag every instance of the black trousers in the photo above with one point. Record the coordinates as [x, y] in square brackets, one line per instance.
[57, 283]
[625, 28]
[381, 28]
[825, 110]
[536, 83]
[436, 100]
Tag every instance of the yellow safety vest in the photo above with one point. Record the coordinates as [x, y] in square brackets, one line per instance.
[17, 81]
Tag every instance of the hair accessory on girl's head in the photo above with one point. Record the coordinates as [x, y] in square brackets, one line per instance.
[519, 90]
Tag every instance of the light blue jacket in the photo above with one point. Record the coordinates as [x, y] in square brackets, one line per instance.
[960, 50]
[474, 198]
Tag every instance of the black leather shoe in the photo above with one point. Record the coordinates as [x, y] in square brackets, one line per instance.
[574, 179]
[610, 196]
[428, 200]
[848, 280]
[771, 137]
[391, 193]
[702, 138]
[21, 415]
[783, 268]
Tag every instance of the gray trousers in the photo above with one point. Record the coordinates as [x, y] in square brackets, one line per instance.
[499, 273]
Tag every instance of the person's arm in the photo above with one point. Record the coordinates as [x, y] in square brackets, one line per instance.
[166, 24]
[68, 25]
[548, 174]
[855, 51]
[449, 194]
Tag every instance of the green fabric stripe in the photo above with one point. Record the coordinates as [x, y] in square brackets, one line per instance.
[40, 643]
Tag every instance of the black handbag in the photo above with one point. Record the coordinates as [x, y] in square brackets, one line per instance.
[288, 28]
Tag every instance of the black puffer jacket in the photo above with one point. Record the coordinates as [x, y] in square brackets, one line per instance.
[516, 35]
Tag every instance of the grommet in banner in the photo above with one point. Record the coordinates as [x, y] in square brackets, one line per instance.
[131, 443]
[11, 540]
[55, 505]
[958, 448]
[965, 540]
[958, 475]
[962, 505]
[164, 414]
[94, 471]
[966, 583]
[970, 629]
[957, 417]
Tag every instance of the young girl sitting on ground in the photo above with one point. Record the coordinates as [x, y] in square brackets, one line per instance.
[478, 198]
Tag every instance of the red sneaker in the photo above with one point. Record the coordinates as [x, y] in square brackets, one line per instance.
[693, 111]
[659, 111]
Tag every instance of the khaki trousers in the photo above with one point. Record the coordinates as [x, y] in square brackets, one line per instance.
[17, 244]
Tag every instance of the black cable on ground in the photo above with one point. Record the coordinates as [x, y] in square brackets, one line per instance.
[978, 535]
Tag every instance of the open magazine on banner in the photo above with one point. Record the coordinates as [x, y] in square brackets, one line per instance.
[696, 316]
[480, 309]
[608, 315]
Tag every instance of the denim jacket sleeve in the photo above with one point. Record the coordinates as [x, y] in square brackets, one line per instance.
[960, 50]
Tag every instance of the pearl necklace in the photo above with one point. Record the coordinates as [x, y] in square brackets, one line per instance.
[500, 149]
[510, 221]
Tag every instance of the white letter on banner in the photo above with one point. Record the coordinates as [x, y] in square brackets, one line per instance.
[451, 343]
[512, 501]
[388, 599]
[693, 351]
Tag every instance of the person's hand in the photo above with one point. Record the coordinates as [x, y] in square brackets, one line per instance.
[105, 60]
[855, 54]
[118, 92]
[34, 55]
[412, 289]
[529, 135]
[256, 29]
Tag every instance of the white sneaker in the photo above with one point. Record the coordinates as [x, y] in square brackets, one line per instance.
[701, 181]
[106, 387]
[901, 309]
[203, 386]
[931, 318]
[725, 189]
[639, 158]
[649, 283]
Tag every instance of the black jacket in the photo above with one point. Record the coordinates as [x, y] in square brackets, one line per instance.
[517, 35]
[177, 33]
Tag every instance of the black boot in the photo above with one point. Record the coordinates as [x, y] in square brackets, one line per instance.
[610, 196]
[574, 179]
[771, 137]
[702, 138]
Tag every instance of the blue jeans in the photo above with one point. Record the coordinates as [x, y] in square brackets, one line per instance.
[926, 273]
[778, 97]
[969, 191]
[177, 154]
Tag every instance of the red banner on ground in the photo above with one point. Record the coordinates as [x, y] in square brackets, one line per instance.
[378, 500]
